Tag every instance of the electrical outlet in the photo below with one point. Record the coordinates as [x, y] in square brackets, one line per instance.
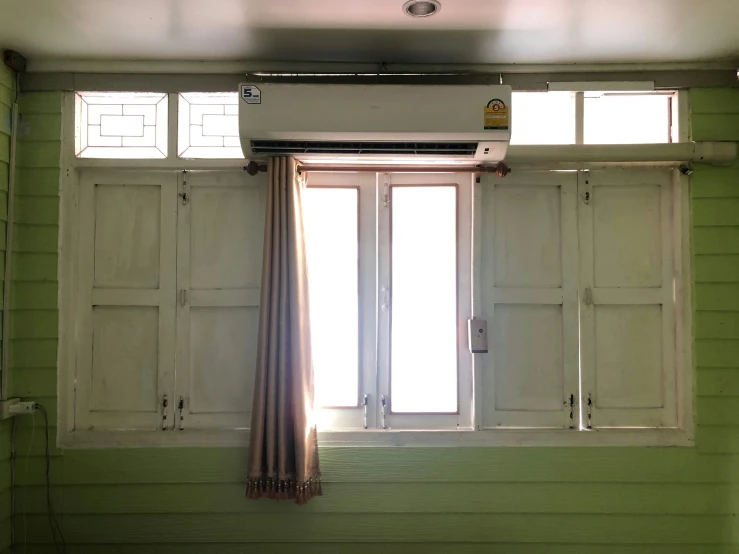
[13, 406]
[23, 408]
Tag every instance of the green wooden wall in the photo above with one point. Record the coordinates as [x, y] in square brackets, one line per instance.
[7, 94]
[402, 500]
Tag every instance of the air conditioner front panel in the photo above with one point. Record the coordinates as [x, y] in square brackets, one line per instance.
[361, 114]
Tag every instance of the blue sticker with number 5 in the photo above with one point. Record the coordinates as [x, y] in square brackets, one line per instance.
[251, 94]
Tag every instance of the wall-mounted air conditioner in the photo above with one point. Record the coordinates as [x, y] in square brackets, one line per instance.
[330, 122]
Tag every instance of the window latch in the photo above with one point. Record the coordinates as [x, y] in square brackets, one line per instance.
[365, 404]
[383, 404]
[165, 403]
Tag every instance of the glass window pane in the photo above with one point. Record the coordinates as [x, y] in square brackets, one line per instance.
[543, 118]
[627, 119]
[332, 239]
[208, 125]
[121, 125]
[423, 359]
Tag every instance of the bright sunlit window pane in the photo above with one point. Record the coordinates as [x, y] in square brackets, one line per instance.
[543, 118]
[331, 228]
[208, 125]
[121, 125]
[423, 360]
[627, 119]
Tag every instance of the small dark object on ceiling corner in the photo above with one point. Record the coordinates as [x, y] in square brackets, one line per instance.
[15, 61]
[685, 169]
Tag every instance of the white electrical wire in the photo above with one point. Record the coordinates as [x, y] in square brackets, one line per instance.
[23, 487]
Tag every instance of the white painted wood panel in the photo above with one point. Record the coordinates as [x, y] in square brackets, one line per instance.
[627, 315]
[127, 227]
[627, 236]
[227, 227]
[220, 243]
[125, 362]
[628, 356]
[126, 303]
[223, 355]
[527, 260]
[527, 238]
[527, 352]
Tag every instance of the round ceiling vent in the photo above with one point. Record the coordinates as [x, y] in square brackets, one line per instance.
[421, 8]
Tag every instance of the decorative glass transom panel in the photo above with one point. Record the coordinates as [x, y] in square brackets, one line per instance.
[121, 125]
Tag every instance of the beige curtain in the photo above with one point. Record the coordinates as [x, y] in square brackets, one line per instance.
[283, 451]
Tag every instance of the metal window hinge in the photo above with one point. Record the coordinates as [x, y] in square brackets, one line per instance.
[183, 195]
[383, 404]
[590, 411]
[587, 196]
[165, 403]
[365, 407]
[181, 407]
[386, 190]
[587, 296]
[572, 411]
[183, 297]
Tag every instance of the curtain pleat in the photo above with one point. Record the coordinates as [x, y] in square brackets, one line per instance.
[283, 449]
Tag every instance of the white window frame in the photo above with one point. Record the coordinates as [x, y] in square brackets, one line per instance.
[352, 418]
[663, 296]
[89, 296]
[463, 419]
[68, 437]
[566, 296]
[189, 297]
[678, 119]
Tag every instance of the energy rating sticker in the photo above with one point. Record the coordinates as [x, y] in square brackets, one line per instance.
[496, 115]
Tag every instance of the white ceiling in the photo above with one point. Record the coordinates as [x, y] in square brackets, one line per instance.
[464, 31]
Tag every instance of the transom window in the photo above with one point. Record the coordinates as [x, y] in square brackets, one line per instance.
[134, 125]
[602, 117]
[121, 125]
[208, 125]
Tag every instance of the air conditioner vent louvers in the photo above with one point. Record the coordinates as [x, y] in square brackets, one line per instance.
[457, 149]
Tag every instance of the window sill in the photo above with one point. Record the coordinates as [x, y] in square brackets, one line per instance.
[376, 438]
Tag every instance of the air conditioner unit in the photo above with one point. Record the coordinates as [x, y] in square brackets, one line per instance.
[405, 123]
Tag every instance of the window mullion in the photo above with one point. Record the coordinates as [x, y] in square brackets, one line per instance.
[384, 304]
[579, 118]
[570, 293]
[478, 310]
[587, 309]
[172, 125]
[368, 286]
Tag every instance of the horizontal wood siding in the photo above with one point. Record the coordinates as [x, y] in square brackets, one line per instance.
[394, 500]
[7, 95]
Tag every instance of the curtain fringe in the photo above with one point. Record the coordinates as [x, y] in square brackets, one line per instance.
[267, 487]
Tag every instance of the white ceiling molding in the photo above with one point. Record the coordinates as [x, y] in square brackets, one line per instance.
[49, 65]
[220, 82]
